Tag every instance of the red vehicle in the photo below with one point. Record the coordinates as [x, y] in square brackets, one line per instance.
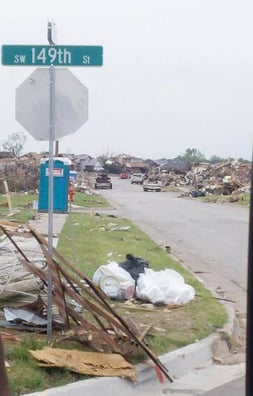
[124, 175]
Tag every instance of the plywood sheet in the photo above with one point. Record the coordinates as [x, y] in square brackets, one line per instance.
[89, 363]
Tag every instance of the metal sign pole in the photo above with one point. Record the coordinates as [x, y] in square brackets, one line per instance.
[50, 183]
[50, 193]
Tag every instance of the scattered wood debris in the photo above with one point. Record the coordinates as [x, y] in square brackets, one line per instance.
[12, 226]
[9, 336]
[107, 330]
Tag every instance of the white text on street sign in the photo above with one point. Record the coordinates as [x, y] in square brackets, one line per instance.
[57, 55]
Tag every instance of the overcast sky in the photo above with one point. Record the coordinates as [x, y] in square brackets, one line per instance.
[177, 74]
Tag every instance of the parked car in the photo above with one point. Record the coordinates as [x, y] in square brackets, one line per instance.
[137, 178]
[124, 175]
[152, 185]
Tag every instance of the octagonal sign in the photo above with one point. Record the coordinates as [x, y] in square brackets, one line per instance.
[33, 106]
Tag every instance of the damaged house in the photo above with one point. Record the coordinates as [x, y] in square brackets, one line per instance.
[85, 163]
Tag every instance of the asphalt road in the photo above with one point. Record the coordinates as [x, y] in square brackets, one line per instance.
[210, 239]
[234, 388]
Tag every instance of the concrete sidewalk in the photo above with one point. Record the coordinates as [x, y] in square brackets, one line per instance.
[179, 362]
[40, 224]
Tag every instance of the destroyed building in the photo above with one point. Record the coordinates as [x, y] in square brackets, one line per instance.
[224, 178]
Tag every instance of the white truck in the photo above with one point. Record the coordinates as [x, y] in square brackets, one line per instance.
[137, 178]
[152, 185]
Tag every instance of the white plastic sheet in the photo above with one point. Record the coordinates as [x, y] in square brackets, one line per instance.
[164, 287]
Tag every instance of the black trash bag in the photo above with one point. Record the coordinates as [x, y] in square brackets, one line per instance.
[197, 193]
[134, 265]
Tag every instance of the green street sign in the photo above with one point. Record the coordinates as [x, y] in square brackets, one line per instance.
[57, 55]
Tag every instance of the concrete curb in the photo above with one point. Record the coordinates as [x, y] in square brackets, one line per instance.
[232, 327]
[178, 362]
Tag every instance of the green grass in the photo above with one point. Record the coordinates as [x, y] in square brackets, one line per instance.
[90, 201]
[18, 200]
[22, 205]
[22, 210]
[96, 242]
[25, 374]
[242, 199]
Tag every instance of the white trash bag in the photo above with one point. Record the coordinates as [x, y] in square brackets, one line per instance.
[115, 282]
[163, 287]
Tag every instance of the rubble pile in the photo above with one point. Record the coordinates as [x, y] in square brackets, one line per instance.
[21, 173]
[174, 178]
[219, 179]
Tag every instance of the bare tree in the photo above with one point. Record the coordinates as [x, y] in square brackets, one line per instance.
[14, 143]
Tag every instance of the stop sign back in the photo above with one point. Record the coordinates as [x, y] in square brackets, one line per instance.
[32, 106]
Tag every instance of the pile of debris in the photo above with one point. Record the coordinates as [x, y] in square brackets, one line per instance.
[219, 179]
[22, 173]
[79, 307]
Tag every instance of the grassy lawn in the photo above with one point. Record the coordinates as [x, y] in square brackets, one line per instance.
[90, 239]
[21, 207]
[102, 238]
[242, 199]
[90, 201]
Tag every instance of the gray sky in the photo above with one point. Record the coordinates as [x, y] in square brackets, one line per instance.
[176, 73]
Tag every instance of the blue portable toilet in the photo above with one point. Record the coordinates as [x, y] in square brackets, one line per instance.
[61, 167]
[72, 176]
